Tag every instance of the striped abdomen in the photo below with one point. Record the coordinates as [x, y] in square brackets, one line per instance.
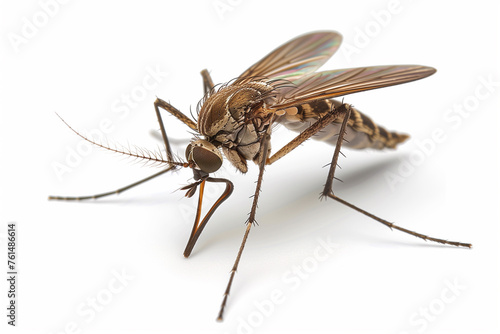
[362, 132]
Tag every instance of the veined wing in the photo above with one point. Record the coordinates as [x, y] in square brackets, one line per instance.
[329, 84]
[296, 58]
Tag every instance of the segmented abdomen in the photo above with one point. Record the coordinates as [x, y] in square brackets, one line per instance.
[362, 132]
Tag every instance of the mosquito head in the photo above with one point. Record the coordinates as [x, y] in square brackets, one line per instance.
[205, 155]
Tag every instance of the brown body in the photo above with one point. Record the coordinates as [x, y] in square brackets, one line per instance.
[236, 117]
[282, 88]
[361, 131]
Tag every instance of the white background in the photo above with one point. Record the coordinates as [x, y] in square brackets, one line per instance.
[88, 55]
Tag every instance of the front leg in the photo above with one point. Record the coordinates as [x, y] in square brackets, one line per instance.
[251, 219]
[208, 84]
[159, 103]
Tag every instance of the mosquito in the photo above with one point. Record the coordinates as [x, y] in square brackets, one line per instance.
[236, 119]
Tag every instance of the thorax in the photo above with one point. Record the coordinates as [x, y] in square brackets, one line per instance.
[236, 117]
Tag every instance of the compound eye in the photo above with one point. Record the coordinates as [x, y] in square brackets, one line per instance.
[206, 156]
[208, 161]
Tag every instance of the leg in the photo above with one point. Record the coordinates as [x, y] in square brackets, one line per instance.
[173, 141]
[250, 222]
[304, 135]
[327, 191]
[152, 157]
[159, 103]
[61, 198]
[208, 84]
[176, 112]
[346, 109]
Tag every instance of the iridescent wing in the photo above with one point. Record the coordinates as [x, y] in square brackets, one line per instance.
[329, 84]
[296, 58]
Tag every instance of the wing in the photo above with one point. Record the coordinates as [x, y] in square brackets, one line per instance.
[329, 84]
[300, 56]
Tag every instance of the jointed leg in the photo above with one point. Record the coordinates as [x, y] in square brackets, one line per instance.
[174, 111]
[250, 222]
[173, 141]
[327, 191]
[208, 84]
[346, 109]
[61, 198]
[304, 135]
[159, 103]
[391, 225]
